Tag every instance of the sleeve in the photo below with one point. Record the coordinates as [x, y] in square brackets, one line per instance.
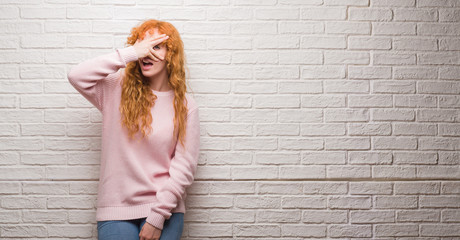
[87, 76]
[182, 170]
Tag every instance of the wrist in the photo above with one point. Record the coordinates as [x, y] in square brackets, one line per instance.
[128, 54]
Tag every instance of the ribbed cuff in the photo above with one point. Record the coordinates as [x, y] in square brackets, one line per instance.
[156, 219]
[128, 54]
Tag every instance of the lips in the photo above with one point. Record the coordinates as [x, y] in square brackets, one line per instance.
[146, 64]
[145, 60]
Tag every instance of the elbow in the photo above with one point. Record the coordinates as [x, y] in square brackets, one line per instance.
[72, 79]
[70, 76]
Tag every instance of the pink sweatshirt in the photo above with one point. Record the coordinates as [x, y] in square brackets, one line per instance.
[144, 178]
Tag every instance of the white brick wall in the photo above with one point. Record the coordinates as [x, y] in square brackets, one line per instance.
[324, 119]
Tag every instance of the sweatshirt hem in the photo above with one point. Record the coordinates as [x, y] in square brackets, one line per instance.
[131, 212]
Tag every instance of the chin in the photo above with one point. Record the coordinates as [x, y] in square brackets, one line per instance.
[149, 74]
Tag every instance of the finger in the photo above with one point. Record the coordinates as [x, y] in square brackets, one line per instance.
[154, 56]
[161, 35]
[158, 40]
[159, 56]
[141, 235]
[153, 38]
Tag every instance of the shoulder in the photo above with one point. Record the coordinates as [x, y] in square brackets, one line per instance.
[191, 102]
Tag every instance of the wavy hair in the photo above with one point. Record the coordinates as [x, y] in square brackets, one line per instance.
[137, 98]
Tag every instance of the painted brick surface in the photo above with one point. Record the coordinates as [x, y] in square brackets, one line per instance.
[321, 119]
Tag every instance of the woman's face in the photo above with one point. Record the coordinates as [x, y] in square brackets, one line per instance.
[158, 66]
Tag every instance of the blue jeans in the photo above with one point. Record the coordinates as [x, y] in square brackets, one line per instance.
[130, 229]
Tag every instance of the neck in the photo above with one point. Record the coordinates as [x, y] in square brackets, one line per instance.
[160, 81]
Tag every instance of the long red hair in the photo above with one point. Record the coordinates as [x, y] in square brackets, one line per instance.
[137, 98]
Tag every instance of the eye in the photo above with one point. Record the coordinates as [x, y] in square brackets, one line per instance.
[157, 46]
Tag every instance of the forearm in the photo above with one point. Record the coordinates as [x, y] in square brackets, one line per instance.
[182, 170]
[86, 76]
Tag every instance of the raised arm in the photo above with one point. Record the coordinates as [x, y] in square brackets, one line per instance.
[86, 77]
[182, 170]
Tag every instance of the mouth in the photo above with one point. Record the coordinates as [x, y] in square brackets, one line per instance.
[146, 64]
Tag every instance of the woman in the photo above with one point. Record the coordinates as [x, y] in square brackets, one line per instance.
[150, 133]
